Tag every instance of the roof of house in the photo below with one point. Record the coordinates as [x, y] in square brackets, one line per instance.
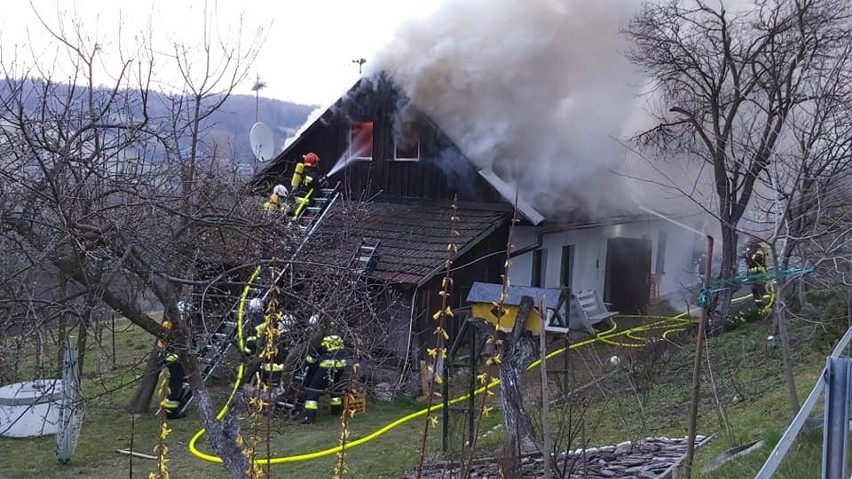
[490, 293]
[504, 189]
[414, 237]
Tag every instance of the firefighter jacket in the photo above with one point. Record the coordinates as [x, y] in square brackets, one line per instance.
[330, 355]
[254, 329]
[272, 204]
[755, 257]
[305, 180]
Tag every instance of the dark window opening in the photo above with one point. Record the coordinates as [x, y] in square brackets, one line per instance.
[539, 268]
[407, 149]
[566, 269]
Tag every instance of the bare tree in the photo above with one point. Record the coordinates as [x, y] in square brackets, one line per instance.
[95, 188]
[808, 184]
[727, 84]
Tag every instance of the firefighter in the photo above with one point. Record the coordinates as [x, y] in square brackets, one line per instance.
[755, 258]
[325, 368]
[253, 323]
[306, 178]
[277, 200]
[272, 368]
[179, 393]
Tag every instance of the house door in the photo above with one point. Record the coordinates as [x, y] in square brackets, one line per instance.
[628, 270]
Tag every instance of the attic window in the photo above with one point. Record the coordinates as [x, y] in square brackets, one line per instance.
[361, 141]
[408, 150]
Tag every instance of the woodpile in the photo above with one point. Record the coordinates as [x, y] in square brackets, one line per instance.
[650, 458]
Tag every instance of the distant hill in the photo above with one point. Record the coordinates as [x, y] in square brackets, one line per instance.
[229, 126]
[237, 116]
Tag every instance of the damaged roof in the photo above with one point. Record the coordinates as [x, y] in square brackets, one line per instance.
[414, 236]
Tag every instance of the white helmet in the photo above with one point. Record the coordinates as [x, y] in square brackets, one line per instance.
[313, 320]
[256, 305]
[287, 321]
[280, 190]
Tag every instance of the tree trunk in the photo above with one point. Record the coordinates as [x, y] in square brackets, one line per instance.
[82, 336]
[141, 402]
[222, 435]
[786, 355]
[62, 330]
[727, 269]
[518, 351]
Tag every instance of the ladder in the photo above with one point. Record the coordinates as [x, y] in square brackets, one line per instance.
[216, 343]
[364, 262]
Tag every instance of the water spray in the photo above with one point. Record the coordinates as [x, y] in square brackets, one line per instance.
[349, 156]
[667, 218]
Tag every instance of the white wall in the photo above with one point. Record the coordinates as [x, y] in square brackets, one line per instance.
[590, 254]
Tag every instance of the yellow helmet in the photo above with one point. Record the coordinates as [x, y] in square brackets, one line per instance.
[332, 342]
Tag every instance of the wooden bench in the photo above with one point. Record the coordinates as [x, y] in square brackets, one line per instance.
[591, 310]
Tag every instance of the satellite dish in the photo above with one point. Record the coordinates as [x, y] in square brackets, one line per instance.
[262, 141]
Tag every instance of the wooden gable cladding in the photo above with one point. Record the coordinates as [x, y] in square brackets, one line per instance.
[441, 172]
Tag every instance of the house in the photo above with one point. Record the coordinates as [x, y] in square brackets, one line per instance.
[632, 260]
[410, 171]
[410, 181]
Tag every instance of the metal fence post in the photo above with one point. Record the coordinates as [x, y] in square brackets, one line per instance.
[836, 421]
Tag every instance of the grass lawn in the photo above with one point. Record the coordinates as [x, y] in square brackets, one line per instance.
[107, 427]
[747, 375]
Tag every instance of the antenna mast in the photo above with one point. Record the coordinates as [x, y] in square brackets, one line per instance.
[258, 85]
[360, 62]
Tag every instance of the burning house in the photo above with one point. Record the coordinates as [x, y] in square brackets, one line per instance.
[405, 171]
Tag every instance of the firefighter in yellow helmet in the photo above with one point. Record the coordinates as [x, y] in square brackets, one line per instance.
[755, 258]
[179, 392]
[325, 369]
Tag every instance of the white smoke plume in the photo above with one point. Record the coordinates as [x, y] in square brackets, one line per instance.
[537, 90]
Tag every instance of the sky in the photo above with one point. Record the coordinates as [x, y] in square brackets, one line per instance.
[308, 52]
[538, 91]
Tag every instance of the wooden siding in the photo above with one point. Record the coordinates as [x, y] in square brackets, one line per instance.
[442, 172]
[487, 270]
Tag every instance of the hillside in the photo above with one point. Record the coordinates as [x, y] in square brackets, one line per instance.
[237, 115]
[230, 125]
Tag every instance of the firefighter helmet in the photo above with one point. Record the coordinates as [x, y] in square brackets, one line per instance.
[256, 305]
[280, 190]
[311, 159]
[332, 342]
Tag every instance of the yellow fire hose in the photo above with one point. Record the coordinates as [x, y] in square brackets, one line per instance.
[669, 324]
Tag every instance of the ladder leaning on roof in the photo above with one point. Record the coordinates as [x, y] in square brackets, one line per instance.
[217, 342]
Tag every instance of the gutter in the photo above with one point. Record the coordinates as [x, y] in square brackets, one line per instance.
[539, 240]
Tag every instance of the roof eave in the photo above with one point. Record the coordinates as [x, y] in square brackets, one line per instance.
[467, 247]
[509, 194]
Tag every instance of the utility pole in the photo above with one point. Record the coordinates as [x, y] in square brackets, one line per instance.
[258, 85]
[360, 62]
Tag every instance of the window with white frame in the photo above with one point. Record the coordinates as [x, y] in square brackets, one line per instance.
[361, 141]
[407, 149]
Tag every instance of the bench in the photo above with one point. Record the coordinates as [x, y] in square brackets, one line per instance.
[589, 309]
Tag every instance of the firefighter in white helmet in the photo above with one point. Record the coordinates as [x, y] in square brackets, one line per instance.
[276, 201]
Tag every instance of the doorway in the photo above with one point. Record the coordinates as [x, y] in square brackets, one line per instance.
[628, 274]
